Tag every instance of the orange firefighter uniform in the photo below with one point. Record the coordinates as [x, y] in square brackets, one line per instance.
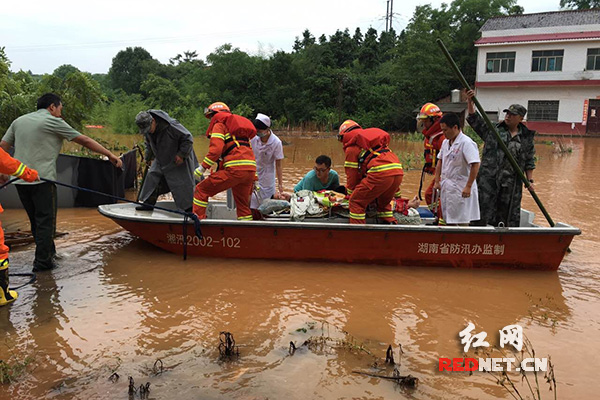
[434, 137]
[229, 150]
[14, 167]
[382, 173]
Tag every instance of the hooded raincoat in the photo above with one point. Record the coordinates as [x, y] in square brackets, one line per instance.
[170, 139]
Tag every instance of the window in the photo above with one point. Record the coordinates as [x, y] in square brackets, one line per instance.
[547, 60]
[500, 62]
[593, 60]
[542, 110]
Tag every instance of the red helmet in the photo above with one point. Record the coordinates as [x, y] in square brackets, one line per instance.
[347, 126]
[429, 110]
[215, 108]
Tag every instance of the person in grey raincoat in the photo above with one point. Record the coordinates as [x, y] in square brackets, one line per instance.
[169, 146]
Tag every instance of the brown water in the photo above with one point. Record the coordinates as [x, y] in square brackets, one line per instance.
[117, 303]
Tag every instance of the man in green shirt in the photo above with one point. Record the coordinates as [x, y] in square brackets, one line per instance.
[38, 138]
[322, 177]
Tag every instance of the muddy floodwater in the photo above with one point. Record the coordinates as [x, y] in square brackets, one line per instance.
[118, 304]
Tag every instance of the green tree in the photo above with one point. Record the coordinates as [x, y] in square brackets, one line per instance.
[307, 40]
[131, 67]
[162, 94]
[369, 50]
[579, 4]
[79, 93]
[64, 70]
[17, 93]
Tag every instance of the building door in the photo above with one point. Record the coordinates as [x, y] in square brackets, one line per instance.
[593, 117]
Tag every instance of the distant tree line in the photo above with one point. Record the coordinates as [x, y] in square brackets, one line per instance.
[376, 78]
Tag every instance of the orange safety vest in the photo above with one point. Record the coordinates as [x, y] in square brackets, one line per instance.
[352, 153]
[434, 138]
[14, 167]
[229, 145]
[375, 156]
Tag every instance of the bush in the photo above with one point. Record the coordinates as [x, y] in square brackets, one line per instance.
[121, 114]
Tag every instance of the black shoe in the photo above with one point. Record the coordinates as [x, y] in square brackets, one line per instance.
[144, 208]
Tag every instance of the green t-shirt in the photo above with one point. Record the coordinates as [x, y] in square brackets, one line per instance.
[38, 138]
[312, 182]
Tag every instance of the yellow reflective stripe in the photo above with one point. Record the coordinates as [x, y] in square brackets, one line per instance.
[3, 264]
[386, 167]
[209, 161]
[200, 203]
[357, 216]
[385, 214]
[350, 164]
[398, 193]
[246, 218]
[217, 136]
[237, 163]
[349, 191]
[374, 152]
[19, 170]
[235, 141]
[227, 136]
[197, 173]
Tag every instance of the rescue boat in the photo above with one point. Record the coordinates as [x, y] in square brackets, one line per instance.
[333, 239]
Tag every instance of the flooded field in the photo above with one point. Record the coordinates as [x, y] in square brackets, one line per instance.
[118, 304]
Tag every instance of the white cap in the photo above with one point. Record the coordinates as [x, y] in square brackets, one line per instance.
[264, 119]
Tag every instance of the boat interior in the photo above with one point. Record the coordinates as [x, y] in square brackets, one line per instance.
[219, 210]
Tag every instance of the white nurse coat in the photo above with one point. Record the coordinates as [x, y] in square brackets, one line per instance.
[265, 154]
[456, 160]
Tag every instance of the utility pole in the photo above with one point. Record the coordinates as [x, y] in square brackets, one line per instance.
[391, 12]
[387, 13]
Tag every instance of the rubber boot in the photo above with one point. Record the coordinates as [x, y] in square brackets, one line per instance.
[6, 296]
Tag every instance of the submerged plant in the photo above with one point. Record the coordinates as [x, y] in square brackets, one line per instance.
[13, 368]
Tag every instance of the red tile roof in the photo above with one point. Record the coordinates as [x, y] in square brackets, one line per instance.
[538, 38]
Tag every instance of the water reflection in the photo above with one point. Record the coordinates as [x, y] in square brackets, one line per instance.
[267, 305]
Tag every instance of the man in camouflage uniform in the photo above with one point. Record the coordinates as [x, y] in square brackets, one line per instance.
[500, 188]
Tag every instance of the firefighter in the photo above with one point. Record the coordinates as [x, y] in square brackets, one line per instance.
[430, 116]
[346, 134]
[230, 151]
[14, 167]
[379, 168]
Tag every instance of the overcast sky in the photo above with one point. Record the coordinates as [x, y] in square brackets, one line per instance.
[40, 36]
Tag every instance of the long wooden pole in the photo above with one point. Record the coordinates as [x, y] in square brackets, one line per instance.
[492, 128]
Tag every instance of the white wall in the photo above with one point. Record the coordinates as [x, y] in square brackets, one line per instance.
[571, 99]
[574, 62]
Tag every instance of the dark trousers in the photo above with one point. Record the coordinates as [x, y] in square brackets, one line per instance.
[161, 188]
[40, 203]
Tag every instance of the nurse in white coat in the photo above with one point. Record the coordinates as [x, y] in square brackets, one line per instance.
[455, 173]
[268, 151]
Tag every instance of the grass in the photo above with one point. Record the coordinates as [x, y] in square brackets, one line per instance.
[14, 367]
[532, 384]
[412, 137]
[410, 160]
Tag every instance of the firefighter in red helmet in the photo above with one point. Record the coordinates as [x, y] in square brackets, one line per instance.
[429, 117]
[230, 152]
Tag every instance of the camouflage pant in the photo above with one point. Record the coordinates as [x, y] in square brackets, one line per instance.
[500, 203]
